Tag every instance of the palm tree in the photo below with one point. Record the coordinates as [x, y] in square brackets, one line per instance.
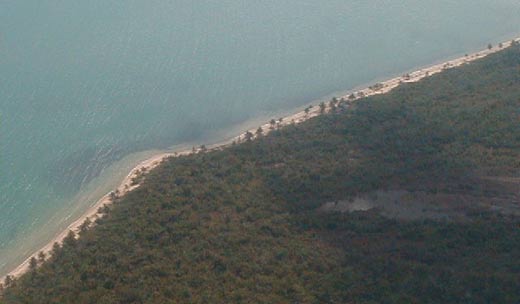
[33, 264]
[249, 136]
[86, 224]
[322, 107]
[8, 281]
[272, 123]
[490, 46]
[70, 239]
[332, 105]
[259, 131]
[41, 257]
[56, 248]
[113, 196]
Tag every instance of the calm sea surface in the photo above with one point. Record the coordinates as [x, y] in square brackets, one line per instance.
[88, 88]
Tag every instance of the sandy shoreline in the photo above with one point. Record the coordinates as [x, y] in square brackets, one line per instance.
[127, 184]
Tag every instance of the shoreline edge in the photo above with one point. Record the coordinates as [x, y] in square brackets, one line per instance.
[127, 185]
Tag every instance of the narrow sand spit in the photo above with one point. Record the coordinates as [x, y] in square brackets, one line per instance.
[128, 185]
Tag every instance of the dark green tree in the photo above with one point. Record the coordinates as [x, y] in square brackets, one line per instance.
[33, 264]
[248, 136]
[322, 107]
[41, 257]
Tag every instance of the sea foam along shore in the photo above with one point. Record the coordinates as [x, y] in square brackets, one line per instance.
[128, 184]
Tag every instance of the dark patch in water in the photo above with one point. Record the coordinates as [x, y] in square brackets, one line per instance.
[67, 175]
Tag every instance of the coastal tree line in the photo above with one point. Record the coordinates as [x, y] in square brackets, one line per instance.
[240, 225]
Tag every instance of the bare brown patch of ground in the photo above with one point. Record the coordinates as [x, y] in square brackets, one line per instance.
[489, 194]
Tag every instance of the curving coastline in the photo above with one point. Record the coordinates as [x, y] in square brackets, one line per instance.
[127, 183]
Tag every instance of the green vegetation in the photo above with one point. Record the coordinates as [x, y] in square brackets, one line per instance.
[241, 226]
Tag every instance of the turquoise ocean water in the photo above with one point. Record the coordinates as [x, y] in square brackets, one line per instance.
[89, 88]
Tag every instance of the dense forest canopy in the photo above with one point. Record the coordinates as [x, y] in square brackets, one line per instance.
[244, 225]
